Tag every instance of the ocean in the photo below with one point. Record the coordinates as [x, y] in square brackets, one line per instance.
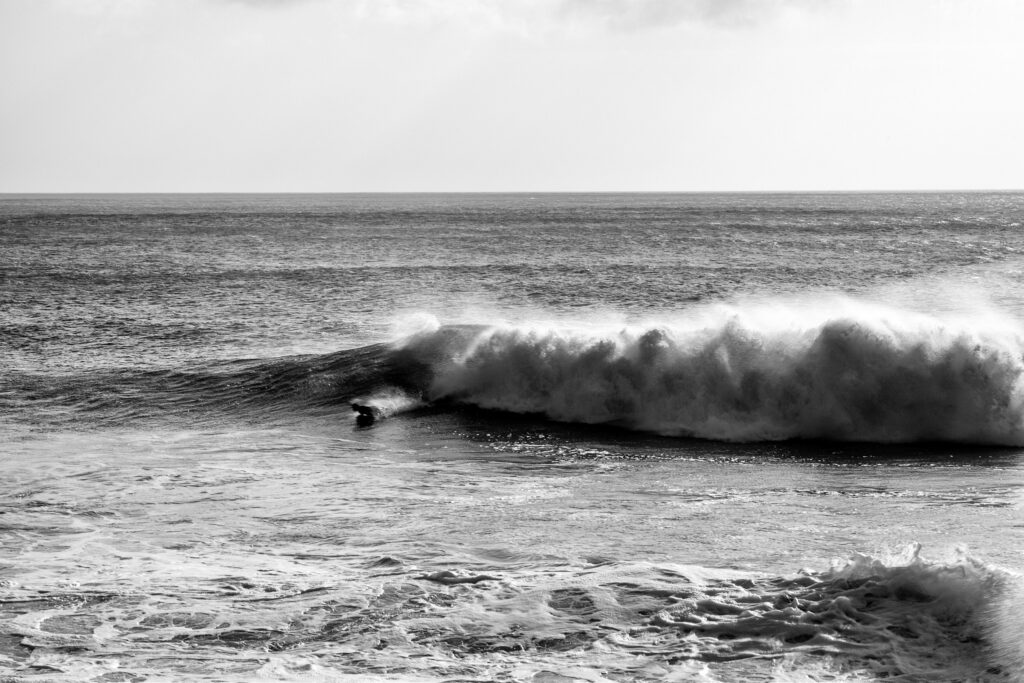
[607, 437]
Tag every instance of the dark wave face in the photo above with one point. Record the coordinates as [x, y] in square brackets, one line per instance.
[282, 389]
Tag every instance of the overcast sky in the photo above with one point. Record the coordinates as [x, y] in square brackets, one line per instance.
[510, 95]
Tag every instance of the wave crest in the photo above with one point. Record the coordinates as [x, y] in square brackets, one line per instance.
[846, 370]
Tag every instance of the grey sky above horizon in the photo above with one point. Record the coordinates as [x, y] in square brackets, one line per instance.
[510, 95]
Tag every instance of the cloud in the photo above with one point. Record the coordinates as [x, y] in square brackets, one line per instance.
[626, 15]
[644, 14]
[268, 3]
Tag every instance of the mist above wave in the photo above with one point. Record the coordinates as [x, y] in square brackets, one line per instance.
[833, 369]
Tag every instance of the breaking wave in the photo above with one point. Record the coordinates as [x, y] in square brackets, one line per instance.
[845, 371]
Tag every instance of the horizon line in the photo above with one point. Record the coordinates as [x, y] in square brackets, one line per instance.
[505, 192]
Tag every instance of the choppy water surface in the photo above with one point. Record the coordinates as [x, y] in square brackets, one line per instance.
[622, 438]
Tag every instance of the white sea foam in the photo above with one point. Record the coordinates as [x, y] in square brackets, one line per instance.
[869, 617]
[388, 402]
[834, 368]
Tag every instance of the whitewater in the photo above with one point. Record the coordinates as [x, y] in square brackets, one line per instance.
[834, 370]
[614, 437]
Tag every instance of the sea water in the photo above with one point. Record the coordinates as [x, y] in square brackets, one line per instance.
[618, 437]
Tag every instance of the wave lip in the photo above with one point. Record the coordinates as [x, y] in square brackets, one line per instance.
[849, 371]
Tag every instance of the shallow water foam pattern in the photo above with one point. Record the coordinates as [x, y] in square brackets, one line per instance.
[217, 557]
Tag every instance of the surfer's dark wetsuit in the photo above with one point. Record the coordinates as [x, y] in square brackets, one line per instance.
[367, 415]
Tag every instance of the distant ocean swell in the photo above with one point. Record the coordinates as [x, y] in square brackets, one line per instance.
[844, 371]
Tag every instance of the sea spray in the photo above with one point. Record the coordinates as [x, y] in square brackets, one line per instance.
[841, 369]
[388, 402]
